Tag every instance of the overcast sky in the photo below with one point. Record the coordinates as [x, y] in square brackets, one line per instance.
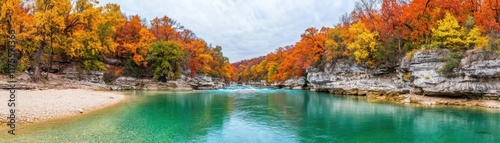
[244, 28]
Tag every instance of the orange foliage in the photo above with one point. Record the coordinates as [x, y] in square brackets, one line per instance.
[199, 58]
[392, 27]
[488, 18]
[165, 29]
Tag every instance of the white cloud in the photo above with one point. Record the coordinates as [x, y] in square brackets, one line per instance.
[244, 28]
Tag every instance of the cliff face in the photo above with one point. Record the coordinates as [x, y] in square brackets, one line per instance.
[478, 76]
[294, 83]
[198, 82]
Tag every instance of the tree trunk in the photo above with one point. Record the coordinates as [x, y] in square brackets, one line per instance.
[50, 57]
[38, 55]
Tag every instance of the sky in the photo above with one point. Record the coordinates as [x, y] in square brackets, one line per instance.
[244, 28]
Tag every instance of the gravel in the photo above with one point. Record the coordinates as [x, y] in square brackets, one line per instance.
[41, 105]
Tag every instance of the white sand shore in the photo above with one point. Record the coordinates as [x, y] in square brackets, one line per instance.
[41, 105]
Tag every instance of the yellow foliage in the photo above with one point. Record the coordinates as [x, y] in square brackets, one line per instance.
[476, 40]
[449, 34]
[272, 70]
[335, 42]
[141, 48]
[363, 44]
[113, 15]
[84, 43]
[226, 71]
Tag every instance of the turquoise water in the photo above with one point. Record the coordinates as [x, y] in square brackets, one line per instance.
[246, 114]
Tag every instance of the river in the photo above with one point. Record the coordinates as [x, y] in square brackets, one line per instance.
[249, 114]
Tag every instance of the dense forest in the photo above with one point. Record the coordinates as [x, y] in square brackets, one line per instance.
[380, 32]
[102, 38]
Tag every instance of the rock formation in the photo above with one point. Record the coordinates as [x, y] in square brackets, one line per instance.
[478, 76]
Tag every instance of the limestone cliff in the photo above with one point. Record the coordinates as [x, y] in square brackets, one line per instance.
[478, 76]
[198, 82]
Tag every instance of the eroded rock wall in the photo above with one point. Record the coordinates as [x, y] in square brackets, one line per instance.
[478, 76]
[199, 82]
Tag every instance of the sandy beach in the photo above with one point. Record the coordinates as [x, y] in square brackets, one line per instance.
[41, 105]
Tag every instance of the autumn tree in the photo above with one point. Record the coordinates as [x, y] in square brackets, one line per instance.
[232, 73]
[90, 40]
[313, 45]
[310, 49]
[187, 36]
[113, 16]
[83, 33]
[363, 44]
[392, 28]
[198, 57]
[488, 16]
[378, 32]
[133, 40]
[336, 43]
[449, 34]
[418, 20]
[272, 70]
[22, 24]
[366, 9]
[476, 39]
[49, 20]
[165, 29]
[114, 20]
[165, 59]
[219, 62]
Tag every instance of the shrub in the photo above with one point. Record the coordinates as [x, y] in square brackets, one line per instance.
[426, 77]
[165, 59]
[410, 54]
[452, 62]
[92, 65]
[128, 68]
[407, 77]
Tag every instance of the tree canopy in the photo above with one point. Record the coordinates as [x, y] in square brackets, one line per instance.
[380, 32]
[86, 34]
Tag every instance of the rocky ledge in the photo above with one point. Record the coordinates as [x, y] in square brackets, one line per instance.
[477, 77]
[199, 82]
[294, 83]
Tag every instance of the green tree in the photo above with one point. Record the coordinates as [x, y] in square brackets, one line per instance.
[165, 59]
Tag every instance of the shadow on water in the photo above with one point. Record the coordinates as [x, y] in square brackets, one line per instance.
[251, 114]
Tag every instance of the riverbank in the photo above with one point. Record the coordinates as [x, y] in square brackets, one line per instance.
[429, 100]
[41, 105]
[426, 100]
